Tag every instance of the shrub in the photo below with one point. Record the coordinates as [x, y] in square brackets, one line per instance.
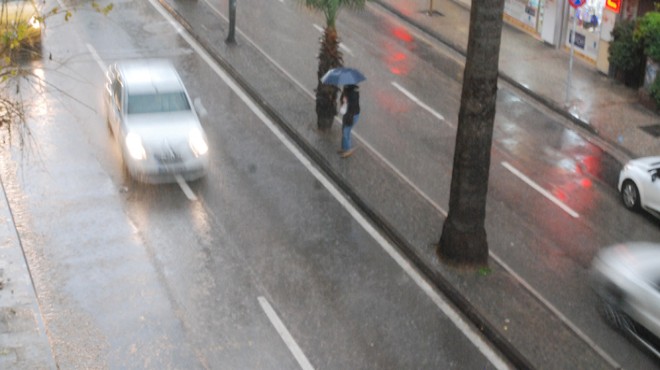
[648, 34]
[626, 54]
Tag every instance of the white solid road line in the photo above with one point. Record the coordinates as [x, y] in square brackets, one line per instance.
[185, 187]
[471, 333]
[558, 313]
[312, 96]
[538, 188]
[433, 203]
[285, 335]
[422, 104]
[96, 57]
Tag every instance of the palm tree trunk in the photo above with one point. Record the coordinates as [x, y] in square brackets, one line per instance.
[326, 95]
[463, 240]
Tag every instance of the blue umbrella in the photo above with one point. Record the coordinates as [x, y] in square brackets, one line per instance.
[343, 76]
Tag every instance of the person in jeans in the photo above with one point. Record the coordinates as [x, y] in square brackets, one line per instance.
[351, 97]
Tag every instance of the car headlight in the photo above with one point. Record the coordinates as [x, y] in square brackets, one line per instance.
[134, 146]
[34, 22]
[198, 143]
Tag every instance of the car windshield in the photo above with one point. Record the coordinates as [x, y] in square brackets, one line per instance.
[157, 103]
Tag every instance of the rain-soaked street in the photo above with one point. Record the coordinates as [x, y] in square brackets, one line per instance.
[256, 266]
[265, 263]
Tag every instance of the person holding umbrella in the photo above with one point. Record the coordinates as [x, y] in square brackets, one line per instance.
[348, 78]
[351, 97]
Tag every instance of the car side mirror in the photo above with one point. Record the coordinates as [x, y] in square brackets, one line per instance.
[654, 176]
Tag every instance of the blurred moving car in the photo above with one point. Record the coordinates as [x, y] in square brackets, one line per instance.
[626, 277]
[150, 114]
[639, 184]
[20, 23]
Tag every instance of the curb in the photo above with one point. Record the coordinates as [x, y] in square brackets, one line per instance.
[454, 296]
[25, 341]
[551, 104]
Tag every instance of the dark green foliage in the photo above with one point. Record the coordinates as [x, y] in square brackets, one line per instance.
[625, 52]
[648, 34]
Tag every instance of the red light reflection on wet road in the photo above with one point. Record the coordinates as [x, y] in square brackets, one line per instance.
[402, 34]
[396, 60]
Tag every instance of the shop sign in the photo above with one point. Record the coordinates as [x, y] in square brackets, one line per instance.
[580, 40]
[577, 3]
[613, 5]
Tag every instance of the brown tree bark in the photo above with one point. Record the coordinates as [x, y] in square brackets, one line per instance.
[326, 95]
[463, 241]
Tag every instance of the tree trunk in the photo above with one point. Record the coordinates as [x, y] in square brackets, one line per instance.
[326, 106]
[463, 241]
[326, 95]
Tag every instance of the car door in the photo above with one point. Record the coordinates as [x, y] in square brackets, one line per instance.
[652, 190]
[649, 306]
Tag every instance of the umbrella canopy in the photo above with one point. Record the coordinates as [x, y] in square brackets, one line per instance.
[343, 76]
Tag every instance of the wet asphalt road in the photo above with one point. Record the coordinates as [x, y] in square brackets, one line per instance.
[138, 276]
[410, 105]
[145, 277]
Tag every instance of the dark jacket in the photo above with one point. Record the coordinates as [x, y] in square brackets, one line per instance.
[352, 96]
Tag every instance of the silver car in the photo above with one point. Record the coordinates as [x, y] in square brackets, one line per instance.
[639, 184]
[627, 279]
[151, 116]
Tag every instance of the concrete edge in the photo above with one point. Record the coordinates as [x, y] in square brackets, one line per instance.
[42, 343]
[481, 323]
[550, 103]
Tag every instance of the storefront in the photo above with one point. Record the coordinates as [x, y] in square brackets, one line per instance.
[588, 22]
[540, 18]
[552, 22]
[525, 14]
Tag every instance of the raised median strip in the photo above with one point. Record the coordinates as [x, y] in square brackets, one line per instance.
[496, 304]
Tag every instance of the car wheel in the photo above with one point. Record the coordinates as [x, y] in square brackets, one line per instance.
[610, 303]
[630, 195]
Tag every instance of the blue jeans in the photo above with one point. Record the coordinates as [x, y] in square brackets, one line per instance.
[346, 134]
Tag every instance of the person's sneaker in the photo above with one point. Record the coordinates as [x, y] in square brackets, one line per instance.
[341, 151]
[347, 153]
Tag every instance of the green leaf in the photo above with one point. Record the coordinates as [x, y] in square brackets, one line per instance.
[107, 9]
[648, 34]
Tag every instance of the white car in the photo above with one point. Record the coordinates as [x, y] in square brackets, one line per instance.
[151, 116]
[627, 279]
[639, 184]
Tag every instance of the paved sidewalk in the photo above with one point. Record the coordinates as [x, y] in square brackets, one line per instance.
[23, 340]
[605, 108]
